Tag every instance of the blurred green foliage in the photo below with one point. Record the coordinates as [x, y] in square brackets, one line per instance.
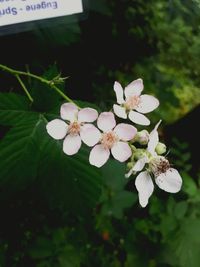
[58, 211]
[165, 38]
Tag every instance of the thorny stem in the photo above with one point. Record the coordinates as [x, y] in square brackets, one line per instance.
[50, 83]
[24, 88]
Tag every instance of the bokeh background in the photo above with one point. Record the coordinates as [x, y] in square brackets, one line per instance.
[55, 216]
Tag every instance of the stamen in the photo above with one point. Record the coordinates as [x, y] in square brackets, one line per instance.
[74, 128]
[132, 102]
[109, 139]
[159, 165]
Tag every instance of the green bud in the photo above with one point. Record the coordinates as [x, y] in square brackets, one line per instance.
[161, 148]
[130, 165]
[142, 137]
[139, 153]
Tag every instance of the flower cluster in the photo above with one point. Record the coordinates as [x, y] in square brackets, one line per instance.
[106, 137]
[158, 167]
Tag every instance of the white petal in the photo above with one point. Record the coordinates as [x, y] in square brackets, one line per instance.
[90, 134]
[144, 186]
[87, 115]
[134, 88]
[119, 93]
[153, 139]
[99, 155]
[125, 132]
[106, 121]
[138, 118]
[139, 165]
[71, 144]
[147, 104]
[120, 111]
[170, 181]
[57, 129]
[68, 111]
[121, 151]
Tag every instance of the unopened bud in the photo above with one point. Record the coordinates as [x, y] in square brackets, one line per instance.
[139, 153]
[142, 137]
[161, 148]
[130, 165]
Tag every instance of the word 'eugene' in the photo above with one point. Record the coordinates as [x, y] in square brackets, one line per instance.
[42, 5]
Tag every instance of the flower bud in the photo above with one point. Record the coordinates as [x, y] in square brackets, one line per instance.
[161, 148]
[139, 153]
[130, 165]
[142, 137]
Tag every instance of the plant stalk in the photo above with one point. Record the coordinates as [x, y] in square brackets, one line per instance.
[17, 73]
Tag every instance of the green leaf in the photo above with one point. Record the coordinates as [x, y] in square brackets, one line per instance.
[189, 185]
[167, 226]
[69, 257]
[27, 150]
[46, 98]
[186, 243]
[19, 152]
[180, 209]
[14, 109]
[69, 182]
[58, 36]
[116, 199]
[135, 259]
[121, 201]
[114, 175]
[42, 249]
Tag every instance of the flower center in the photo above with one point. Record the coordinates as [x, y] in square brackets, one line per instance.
[132, 102]
[74, 128]
[109, 139]
[159, 165]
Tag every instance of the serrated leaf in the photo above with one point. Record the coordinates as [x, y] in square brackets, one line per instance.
[19, 152]
[73, 184]
[14, 109]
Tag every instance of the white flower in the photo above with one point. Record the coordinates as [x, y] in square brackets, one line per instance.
[167, 178]
[75, 130]
[113, 138]
[134, 101]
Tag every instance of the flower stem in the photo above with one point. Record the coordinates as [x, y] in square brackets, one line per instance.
[41, 79]
[24, 88]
